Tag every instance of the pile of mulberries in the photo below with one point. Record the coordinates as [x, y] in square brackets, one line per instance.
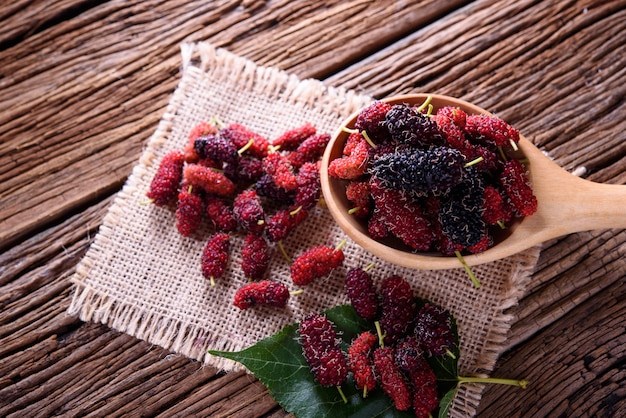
[399, 158]
[242, 184]
[396, 358]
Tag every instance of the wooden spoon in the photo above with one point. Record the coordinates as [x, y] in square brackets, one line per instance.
[566, 203]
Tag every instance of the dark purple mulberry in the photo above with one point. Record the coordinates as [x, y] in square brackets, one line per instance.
[398, 308]
[433, 329]
[410, 127]
[362, 293]
[216, 148]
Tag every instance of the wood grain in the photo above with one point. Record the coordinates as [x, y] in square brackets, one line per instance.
[84, 84]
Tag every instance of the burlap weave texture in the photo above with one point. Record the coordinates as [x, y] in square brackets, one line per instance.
[142, 278]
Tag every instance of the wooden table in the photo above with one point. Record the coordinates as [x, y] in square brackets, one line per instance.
[84, 83]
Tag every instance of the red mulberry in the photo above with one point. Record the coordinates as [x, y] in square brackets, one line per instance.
[491, 131]
[165, 183]
[315, 262]
[372, 121]
[216, 148]
[402, 218]
[215, 256]
[291, 139]
[261, 293]
[278, 167]
[362, 293]
[398, 308]
[202, 128]
[310, 150]
[456, 114]
[255, 256]
[353, 165]
[188, 211]
[359, 361]
[433, 329]
[517, 187]
[425, 398]
[281, 223]
[266, 187]
[392, 380]
[309, 188]
[241, 137]
[209, 180]
[220, 214]
[249, 212]
[358, 193]
[321, 351]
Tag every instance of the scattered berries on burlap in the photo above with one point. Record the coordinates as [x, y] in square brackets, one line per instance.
[283, 222]
[265, 292]
[255, 256]
[166, 181]
[189, 211]
[360, 361]
[215, 256]
[362, 293]
[314, 263]
[392, 381]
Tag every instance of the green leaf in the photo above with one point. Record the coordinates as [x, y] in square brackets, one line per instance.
[277, 362]
[445, 402]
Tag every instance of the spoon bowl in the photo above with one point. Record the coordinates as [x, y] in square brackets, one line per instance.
[566, 203]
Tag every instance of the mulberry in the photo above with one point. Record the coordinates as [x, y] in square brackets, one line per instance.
[410, 127]
[360, 363]
[491, 131]
[281, 223]
[433, 329]
[279, 168]
[255, 256]
[362, 293]
[202, 128]
[358, 193]
[517, 187]
[291, 139]
[220, 214]
[165, 183]
[353, 165]
[249, 212]
[188, 211]
[460, 212]
[309, 188]
[392, 380]
[425, 398]
[310, 150]
[398, 308]
[321, 351]
[314, 263]
[243, 138]
[401, 217]
[266, 187]
[372, 120]
[215, 256]
[216, 148]
[261, 293]
[420, 172]
[209, 180]
[409, 354]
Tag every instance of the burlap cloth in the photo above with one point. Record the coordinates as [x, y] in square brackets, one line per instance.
[142, 278]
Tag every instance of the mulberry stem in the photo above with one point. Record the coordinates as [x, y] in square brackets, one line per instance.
[354, 210]
[379, 332]
[467, 269]
[245, 147]
[423, 105]
[474, 162]
[340, 245]
[521, 383]
[296, 292]
[369, 267]
[368, 139]
[284, 252]
[343, 396]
